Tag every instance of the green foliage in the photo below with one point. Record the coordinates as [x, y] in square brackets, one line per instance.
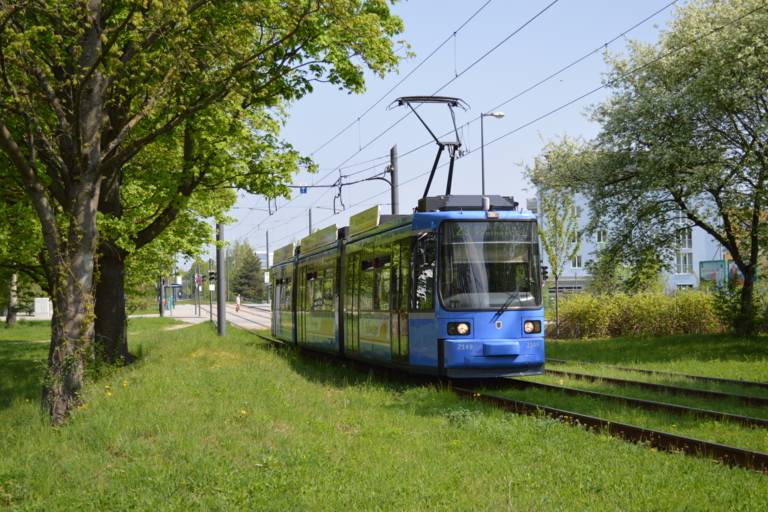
[248, 278]
[682, 139]
[641, 273]
[232, 424]
[643, 314]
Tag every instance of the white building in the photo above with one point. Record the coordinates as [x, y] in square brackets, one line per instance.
[696, 246]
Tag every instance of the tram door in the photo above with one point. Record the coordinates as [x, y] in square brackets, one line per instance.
[400, 278]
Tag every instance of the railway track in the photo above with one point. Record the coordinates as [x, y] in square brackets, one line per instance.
[673, 390]
[243, 314]
[701, 378]
[658, 439]
[730, 455]
[647, 404]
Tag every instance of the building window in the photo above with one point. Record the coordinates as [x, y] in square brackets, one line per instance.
[685, 238]
[684, 262]
[602, 236]
[576, 261]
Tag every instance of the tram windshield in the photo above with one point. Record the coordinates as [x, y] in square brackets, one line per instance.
[489, 265]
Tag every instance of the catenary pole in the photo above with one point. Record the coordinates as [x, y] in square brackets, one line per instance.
[221, 292]
[393, 177]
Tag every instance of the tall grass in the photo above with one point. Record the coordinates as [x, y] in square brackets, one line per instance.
[210, 423]
[644, 314]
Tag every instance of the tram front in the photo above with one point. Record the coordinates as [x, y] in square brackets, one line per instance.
[490, 315]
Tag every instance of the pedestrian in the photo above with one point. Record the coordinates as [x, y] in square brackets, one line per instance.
[237, 302]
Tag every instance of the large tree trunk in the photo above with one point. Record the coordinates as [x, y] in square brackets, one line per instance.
[111, 334]
[71, 327]
[13, 301]
[111, 327]
[745, 320]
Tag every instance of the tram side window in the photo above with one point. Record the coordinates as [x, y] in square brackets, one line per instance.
[328, 284]
[285, 291]
[381, 284]
[424, 272]
[366, 281]
[316, 285]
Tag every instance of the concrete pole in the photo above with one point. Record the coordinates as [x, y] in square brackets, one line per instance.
[310, 221]
[393, 177]
[210, 293]
[162, 297]
[221, 277]
[269, 285]
[482, 155]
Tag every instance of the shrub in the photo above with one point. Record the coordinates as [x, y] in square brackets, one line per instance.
[641, 314]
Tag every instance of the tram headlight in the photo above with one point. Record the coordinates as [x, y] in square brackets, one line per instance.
[531, 326]
[459, 328]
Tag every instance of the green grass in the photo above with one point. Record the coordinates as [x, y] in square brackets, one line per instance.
[666, 380]
[203, 422]
[729, 406]
[23, 353]
[724, 432]
[710, 355]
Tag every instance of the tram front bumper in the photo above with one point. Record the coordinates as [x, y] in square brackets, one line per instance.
[493, 353]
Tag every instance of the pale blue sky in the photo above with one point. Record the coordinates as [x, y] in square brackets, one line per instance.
[566, 31]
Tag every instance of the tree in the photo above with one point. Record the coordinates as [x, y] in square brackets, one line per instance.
[683, 139]
[559, 233]
[248, 279]
[616, 271]
[87, 86]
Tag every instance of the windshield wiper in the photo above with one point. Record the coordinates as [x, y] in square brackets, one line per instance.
[505, 306]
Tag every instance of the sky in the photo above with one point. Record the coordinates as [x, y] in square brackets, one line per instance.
[500, 54]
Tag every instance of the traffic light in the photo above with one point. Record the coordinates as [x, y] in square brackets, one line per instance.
[544, 272]
[211, 276]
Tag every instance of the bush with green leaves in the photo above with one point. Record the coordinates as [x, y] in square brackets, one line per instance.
[642, 314]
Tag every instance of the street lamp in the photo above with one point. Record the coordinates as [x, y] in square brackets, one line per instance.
[497, 115]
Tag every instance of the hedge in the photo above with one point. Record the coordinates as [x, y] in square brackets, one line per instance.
[644, 314]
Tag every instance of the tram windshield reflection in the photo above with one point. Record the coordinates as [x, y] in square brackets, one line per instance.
[489, 264]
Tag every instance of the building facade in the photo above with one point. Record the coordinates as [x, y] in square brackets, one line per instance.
[697, 250]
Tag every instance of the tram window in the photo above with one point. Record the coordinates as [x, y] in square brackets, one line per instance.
[366, 287]
[405, 269]
[286, 291]
[328, 290]
[317, 291]
[381, 297]
[424, 272]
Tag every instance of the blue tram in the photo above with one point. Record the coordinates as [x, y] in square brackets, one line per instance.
[453, 289]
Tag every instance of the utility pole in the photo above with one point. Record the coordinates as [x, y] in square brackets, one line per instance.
[211, 286]
[393, 180]
[221, 277]
[269, 284]
[310, 221]
[162, 297]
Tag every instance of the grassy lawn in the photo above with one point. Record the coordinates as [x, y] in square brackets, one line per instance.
[208, 423]
[710, 355]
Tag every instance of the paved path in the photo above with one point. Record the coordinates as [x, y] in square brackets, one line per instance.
[250, 316]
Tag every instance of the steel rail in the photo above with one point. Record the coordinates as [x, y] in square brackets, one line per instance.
[674, 390]
[655, 438]
[232, 313]
[703, 378]
[647, 404]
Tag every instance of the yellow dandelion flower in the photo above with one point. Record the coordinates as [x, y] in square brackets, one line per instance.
[109, 393]
[125, 383]
[243, 412]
